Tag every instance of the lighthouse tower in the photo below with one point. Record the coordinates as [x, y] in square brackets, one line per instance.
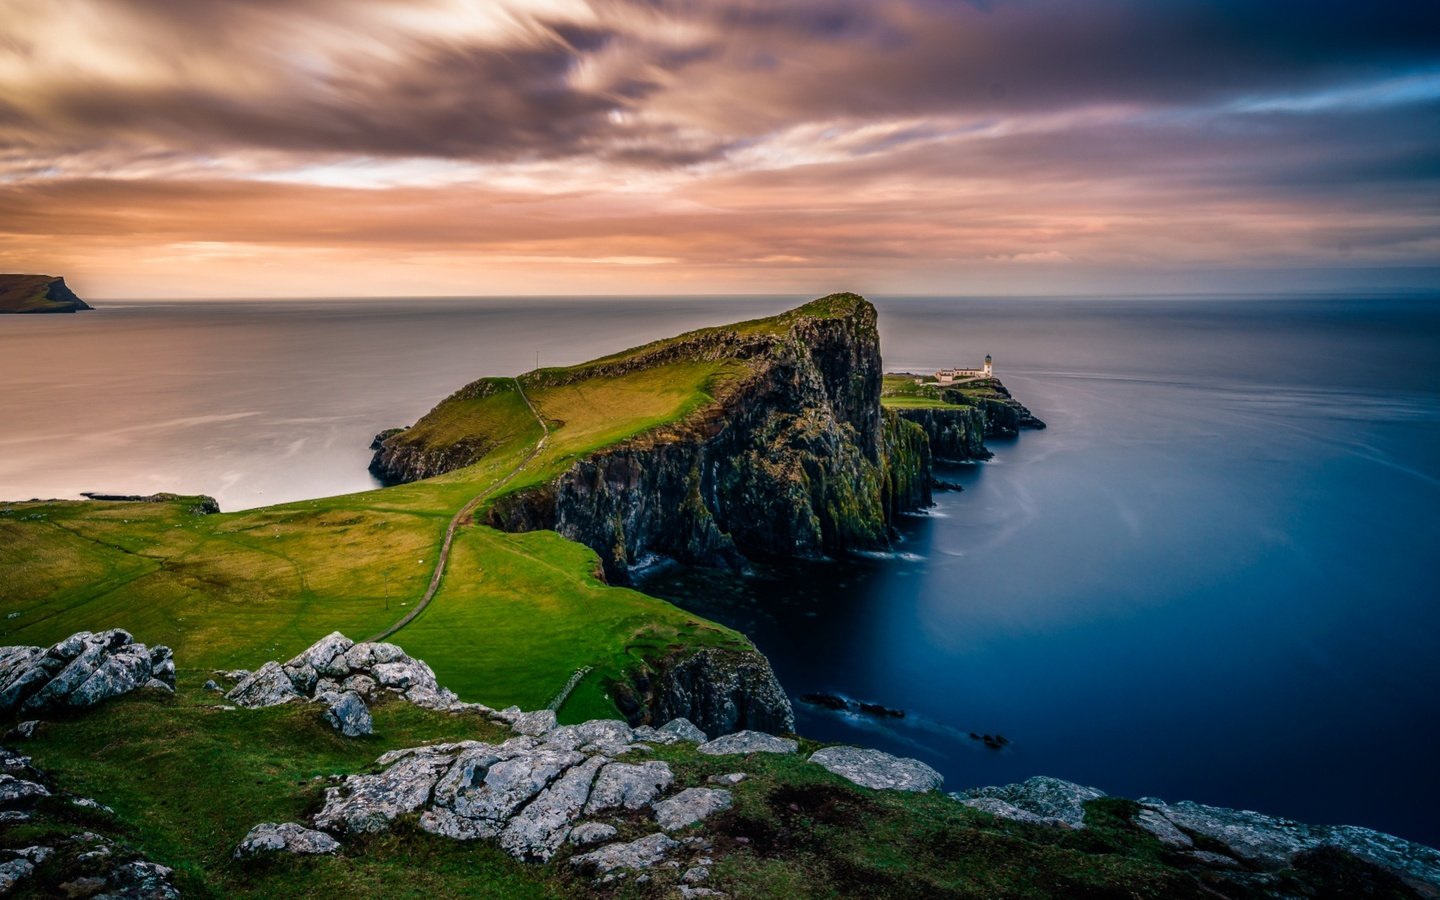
[989, 365]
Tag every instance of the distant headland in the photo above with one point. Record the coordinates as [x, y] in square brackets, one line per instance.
[38, 294]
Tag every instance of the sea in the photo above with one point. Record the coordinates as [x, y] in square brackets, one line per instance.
[1215, 576]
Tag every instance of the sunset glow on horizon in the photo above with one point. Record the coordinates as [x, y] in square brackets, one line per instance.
[170, 148]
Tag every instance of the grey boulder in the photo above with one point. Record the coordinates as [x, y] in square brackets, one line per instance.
[266, 686]
[629, 785]
[877, 770]
[690, 806]
[685, 730]
[286, 837]
[348, 714]
[748, 742]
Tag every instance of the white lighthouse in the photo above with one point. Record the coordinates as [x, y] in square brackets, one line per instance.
[949, 376]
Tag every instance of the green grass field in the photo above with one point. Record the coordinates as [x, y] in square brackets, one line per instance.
[902, 392]
[514, 617]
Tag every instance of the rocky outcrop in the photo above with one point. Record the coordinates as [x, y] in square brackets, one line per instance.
[789, 461]
[719, 690]
[82, 670]
[877, 770]
[343, 675]
[1250, 840]
[403, 455]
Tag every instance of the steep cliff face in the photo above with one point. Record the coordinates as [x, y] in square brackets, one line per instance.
[721, 691]
[796, 460]
[953, 434]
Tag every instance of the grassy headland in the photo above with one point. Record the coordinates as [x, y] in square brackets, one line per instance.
[37, 294]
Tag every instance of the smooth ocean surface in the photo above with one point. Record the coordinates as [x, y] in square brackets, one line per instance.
[1214, 577]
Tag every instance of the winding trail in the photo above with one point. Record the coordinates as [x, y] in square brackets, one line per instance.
[459, 517]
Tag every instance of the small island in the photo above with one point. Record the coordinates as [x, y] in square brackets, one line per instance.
[38, 294]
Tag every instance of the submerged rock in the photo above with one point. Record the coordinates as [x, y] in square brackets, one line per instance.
[881, 771]
[286, 837]
[748, 742]
[82, 670]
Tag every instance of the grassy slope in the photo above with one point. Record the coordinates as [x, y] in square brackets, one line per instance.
[901, 392]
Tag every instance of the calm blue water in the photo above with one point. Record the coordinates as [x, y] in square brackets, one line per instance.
[1213, 577]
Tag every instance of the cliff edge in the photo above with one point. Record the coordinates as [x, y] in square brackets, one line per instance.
[38, 294]
[792, 455]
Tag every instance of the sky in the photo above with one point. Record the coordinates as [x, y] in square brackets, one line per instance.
[217, 148]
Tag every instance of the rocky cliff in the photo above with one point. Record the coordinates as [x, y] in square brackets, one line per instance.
[795, 460]
[721, 691]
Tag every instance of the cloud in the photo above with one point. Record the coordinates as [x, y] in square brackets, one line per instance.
[675, 137]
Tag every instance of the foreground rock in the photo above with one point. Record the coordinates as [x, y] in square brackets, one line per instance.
[1250, 840]
[877, 770]
[82, 670]
[690, 806]
[637, 854]
[348, 714]
[286, 837]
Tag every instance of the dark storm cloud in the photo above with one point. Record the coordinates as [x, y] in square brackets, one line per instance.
[742, 69]
[736, 132]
